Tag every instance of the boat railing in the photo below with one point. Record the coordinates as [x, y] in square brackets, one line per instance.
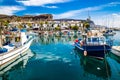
[109, 42]
[96, 43]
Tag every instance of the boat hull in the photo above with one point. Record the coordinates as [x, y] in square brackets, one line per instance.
[8, 57]
[97, 51]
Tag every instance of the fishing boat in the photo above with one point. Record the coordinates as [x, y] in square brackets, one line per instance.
[95, 46]
[19, 43]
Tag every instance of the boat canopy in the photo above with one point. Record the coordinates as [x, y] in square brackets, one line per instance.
[2, 50]
[23, 30]
[14, 29]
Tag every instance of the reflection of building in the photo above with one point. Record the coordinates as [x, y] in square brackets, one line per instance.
[47, 39]
[22, 58]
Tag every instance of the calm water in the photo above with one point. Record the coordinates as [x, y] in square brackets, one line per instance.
[56, 59]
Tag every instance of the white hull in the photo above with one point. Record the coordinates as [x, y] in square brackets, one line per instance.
[13, 54]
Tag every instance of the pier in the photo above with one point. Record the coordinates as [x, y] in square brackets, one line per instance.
[116, 50]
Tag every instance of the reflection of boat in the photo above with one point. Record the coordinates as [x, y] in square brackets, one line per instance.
[22, 59]
[20, 43]
[95, 46]
[94, 67]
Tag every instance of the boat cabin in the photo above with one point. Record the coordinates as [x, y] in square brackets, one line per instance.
[96, 40]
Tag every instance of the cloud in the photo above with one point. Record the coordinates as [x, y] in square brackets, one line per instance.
[110, 20]
[104, 18]
[34, 13]
[41, 2]
[114, 3]
[50, 6]
[10, 10]
[77, 13]
[116, 15]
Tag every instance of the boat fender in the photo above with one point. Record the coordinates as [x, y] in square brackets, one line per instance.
[81, 43]
[85, 53]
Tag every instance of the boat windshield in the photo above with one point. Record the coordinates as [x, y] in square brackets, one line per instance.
[95, 39]
[102, 39]
[89, 39]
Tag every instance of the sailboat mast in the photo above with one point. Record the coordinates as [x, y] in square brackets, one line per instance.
[89, 15]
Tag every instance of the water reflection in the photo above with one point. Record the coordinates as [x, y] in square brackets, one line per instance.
[54, 60]
[55, 39]
[94, 67]
[19, 63]
[115, 57]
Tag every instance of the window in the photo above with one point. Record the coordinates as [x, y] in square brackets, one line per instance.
[95, 39]
[89, 39]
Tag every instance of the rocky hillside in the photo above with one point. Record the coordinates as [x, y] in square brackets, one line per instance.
[27, 17]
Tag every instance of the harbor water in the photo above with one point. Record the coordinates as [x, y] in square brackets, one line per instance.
[55, 58]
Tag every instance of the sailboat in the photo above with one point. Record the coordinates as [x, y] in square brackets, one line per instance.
[109, 31]
[19, 43]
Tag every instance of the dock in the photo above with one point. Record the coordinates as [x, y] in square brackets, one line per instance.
[116, 50]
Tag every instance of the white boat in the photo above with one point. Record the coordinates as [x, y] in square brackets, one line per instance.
[109, 33]
[116, 50]
[20, 44]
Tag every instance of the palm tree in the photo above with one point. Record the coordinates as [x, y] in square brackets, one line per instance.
[86, 25]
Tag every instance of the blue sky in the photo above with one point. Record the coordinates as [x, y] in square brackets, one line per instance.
[103, 12]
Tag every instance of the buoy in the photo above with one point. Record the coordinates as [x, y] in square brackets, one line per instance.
[85, 53]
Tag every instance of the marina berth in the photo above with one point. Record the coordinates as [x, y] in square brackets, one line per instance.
[19, 43]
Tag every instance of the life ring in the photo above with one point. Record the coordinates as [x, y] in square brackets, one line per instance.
[85, 53]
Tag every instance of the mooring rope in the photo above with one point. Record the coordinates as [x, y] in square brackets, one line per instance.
[106, 63]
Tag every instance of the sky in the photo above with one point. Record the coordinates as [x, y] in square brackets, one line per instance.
[102, 12]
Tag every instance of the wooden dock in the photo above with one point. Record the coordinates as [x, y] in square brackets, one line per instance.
[116, 50]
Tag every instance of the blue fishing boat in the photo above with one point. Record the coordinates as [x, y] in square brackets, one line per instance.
[96, 46]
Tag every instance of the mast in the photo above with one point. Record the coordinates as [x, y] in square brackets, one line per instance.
[89, 15]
